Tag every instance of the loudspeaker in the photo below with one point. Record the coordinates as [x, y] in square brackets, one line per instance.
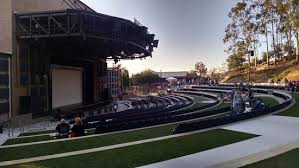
[251, 53]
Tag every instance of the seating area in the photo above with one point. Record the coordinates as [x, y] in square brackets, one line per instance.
[149, 119]
[192, 126]
[143, 107]
[169, 114]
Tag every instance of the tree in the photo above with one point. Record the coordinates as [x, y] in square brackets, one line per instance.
[265, 57]
[235, 60]
[263, 17]
[200, 69]
[124, 77]
[276, 20]
[192, 73]
[293, 17]
[240, 34]
[215, 73]
[145, 77]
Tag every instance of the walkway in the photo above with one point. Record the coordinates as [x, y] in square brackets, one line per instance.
[278, 134]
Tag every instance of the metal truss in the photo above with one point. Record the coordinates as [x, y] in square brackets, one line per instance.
[86, 24]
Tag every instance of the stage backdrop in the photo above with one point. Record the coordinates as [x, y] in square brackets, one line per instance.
[66, 87]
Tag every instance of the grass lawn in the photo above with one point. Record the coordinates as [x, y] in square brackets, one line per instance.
[85, 143]
[294, 110]
[285, 160]
[35, 138]
[268, 101]
[143, 154]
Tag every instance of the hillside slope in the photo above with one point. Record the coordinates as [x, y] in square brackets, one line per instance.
[291, 72]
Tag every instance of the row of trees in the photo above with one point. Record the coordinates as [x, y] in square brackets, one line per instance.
[148, 76]
[145, 77]
[200, 70]
[276, 21]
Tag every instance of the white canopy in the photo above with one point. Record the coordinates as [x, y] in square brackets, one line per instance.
[172, 79]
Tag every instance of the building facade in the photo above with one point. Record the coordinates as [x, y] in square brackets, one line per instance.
[58, 51]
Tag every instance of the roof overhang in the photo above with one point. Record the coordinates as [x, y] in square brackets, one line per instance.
[134, 39]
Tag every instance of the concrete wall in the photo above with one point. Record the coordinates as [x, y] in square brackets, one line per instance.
[5, 26]
[37, 5]
[8, 7]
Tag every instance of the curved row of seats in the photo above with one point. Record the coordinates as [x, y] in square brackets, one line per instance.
[159, 118]
[256, 86]
[225, 89]
[192, 126]
[157, 121]
[162, 104]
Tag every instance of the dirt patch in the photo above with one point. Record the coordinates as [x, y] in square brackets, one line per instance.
[293, 76]
[291, 72]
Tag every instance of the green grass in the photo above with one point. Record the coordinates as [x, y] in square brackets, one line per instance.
[35, 138]
[13, 153]
[269, 101]
[286, 160]
[294, 110]
[143, 154]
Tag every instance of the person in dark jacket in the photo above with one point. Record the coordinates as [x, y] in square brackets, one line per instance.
[78, 128]
[63, 128]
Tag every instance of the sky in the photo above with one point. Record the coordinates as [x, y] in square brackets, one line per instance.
[188, 30]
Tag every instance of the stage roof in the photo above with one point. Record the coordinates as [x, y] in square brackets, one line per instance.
[130, 40]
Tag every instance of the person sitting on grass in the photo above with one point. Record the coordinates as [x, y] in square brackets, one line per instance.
[63, 128]
[78, 128]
